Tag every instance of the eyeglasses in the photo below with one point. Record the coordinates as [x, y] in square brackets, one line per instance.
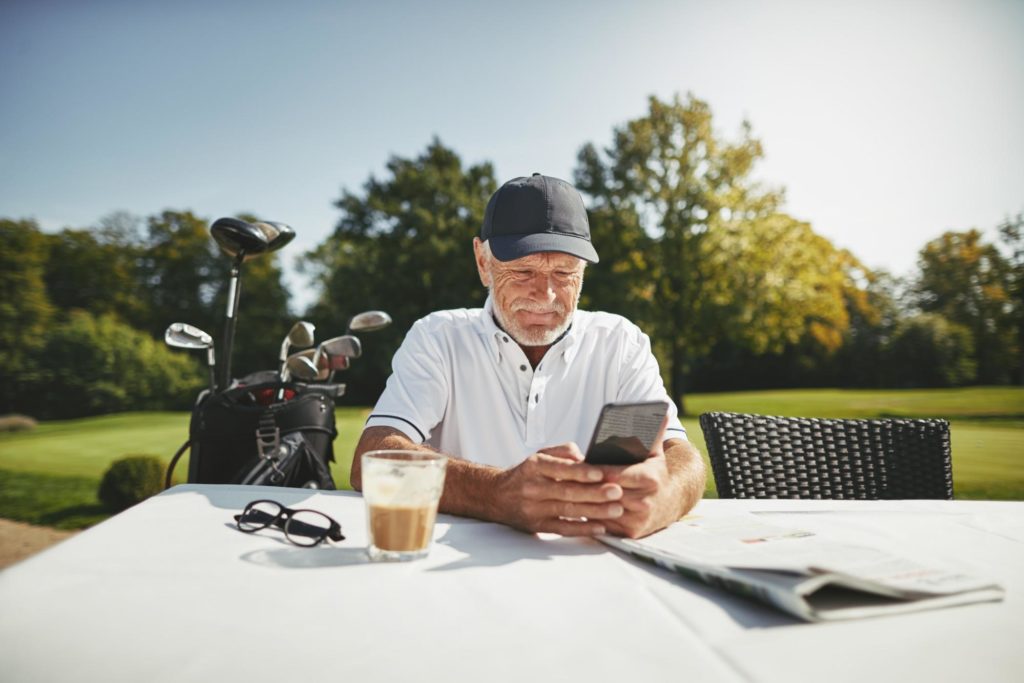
[301, 527]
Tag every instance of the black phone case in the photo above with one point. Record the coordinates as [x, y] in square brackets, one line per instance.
[626, 448]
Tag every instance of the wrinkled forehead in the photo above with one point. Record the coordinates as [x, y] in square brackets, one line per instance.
[545, 260]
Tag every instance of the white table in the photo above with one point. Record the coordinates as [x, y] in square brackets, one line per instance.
[170, 591]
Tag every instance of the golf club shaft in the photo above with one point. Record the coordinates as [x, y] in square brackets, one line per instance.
[211, 363]
[230, 318]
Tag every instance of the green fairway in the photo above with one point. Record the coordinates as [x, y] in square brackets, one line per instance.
[1004, 404]
[86, 447]
[49, 475]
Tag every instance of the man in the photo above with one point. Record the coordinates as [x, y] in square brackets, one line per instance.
[511, 390]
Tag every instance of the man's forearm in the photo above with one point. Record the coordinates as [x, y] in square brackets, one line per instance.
[470, 489]
[687, 472]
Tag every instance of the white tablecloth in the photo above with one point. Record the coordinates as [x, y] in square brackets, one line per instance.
[170, 591]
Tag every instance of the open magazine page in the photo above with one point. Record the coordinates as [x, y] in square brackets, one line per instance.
[801, 572]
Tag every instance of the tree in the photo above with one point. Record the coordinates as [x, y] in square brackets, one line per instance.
[968, 282]
[181, 273]
[25, 308]
[404, 246]
[88, 270]
[875, 314]
[701, 253]
[929, 351]
[1011, 233]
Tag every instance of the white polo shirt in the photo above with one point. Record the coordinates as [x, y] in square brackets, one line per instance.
[463, 386]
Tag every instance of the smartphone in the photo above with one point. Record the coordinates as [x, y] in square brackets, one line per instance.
[625, 432]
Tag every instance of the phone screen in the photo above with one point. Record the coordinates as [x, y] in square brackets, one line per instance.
[625, 432]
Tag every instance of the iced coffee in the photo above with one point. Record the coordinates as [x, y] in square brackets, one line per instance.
[401, 490]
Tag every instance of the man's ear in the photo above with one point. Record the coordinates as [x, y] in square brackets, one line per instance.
[481, 262]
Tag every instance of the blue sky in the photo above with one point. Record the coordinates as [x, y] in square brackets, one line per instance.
[886, 122]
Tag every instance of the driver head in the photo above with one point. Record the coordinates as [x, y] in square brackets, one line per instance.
[236, 237]
[277, 234]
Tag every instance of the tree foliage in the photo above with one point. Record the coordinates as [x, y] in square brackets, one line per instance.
[1011, 234]
[698, 252]
[81, 306]
[95, 271]
[25, 308]
[97, 364]
[929, 351]
[404, 246]
[969, 283]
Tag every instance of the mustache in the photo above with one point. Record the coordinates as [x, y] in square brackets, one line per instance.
[532, 307]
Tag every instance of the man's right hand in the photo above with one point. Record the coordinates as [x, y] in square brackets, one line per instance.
[555, 491]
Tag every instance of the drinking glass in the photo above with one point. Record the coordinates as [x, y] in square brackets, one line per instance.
[401, 490]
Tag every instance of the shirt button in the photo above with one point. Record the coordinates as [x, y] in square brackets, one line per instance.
[536, 398]
[505, 339]
[523, 368]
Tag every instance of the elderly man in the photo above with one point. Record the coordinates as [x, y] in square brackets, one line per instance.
[510, 391]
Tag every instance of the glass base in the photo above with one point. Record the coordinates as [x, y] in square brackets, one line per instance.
[378, 555]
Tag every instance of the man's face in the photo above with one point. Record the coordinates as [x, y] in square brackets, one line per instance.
[535, 296]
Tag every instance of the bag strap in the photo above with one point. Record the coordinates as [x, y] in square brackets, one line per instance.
[174, 461]
[268, 444]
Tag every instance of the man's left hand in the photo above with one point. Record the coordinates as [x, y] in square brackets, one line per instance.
[651, 499]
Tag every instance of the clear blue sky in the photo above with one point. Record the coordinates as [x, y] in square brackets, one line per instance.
[887, 122]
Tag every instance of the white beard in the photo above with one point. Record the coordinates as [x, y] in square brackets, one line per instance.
[534, 336]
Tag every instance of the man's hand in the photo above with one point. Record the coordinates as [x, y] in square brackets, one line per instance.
[650, 497]
[555, 491]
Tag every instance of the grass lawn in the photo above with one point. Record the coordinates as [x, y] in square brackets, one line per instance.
[50, 475]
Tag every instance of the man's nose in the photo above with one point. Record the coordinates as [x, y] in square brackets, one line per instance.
[542, 286]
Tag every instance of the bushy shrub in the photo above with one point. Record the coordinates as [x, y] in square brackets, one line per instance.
[97, 364]
[16, 423]
[130, 480]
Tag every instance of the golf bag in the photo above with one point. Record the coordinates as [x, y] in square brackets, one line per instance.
[272, 433]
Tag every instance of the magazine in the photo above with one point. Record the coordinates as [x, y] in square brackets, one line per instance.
[801, 572]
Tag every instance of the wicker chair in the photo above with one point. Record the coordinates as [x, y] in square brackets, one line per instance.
[756, 456]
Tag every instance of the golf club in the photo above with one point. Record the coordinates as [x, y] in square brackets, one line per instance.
[345, 345]
[185, 336]
[369, 321]
[301, 334]
[299, 366]
[243, 240]
[335, 353]
[323, 370]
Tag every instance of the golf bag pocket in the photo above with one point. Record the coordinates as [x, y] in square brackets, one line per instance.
[286, 461]
[235, 439]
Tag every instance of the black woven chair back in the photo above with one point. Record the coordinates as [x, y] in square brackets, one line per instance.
[757, 456]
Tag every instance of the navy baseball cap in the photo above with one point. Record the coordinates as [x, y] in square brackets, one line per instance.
[539, 213]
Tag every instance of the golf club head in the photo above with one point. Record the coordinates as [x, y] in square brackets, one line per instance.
[345, 345]
[301, 334]
[185, 336]
[301, 367]
[323, 370]
[369, 321]
[277, 234]
[235, 236]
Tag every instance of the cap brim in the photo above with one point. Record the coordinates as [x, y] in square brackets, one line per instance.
[511, 247]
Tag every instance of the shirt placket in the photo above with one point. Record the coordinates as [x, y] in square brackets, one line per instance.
[536, 425]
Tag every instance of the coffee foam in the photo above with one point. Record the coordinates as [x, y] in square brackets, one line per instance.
[386, 484]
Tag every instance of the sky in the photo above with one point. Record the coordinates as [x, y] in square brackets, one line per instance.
[886, 122]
